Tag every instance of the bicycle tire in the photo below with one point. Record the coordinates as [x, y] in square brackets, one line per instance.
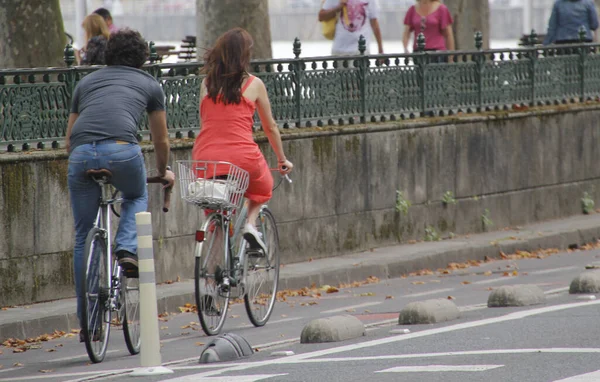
[210, 267]
[262, 273]
[130, 300]
[96, 286]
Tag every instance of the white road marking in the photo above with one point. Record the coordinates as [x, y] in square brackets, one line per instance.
[439, 368]
[237, 378]
[271, 322]
[490, 281]
[11, 369]
[403, 337]
[589, 377]
[557, 290]
[345, 308]
[554, 270]
[428, 293]
[469, 308]
[78, 357]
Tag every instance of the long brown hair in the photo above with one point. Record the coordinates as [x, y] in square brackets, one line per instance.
[94, 25]
[226, 65]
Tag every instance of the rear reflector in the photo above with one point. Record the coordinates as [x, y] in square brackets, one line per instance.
[199, 236]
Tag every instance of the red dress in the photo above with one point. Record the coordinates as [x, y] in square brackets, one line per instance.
[226, 135]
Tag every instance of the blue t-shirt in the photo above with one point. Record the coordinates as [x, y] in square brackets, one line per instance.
[566, 19]
[110, 103]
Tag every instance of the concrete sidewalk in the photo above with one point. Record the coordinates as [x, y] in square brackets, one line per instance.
[37, 319]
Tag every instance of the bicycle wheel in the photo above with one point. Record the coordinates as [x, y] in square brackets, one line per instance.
[130, 299]
[96, 315]
[262, 273]
[210, 269]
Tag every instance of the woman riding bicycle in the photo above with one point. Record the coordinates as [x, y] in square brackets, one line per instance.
[229, 98]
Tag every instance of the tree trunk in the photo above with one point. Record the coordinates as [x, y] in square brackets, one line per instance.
[31, 34]
[216, 17]
[470, 16]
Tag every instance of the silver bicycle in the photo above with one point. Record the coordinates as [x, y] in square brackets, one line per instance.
[108, 289]
[225, 266]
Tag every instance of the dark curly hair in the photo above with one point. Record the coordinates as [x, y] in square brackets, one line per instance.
[126, 47]
[94, 51]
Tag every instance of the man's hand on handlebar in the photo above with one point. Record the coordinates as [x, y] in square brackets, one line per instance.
[285, 167]
[168, 179]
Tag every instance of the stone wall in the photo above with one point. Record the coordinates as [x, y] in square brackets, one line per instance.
[513, 168]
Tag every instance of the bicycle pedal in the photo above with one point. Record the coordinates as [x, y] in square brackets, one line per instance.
[255, 253]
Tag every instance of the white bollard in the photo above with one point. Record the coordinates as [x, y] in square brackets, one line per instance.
[150, 338]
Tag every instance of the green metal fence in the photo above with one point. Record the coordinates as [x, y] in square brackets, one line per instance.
[322, 91]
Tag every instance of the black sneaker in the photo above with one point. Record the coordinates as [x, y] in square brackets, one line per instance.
[127, 260]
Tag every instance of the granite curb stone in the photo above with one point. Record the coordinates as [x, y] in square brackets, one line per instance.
[428, 312]
[586, 282]
[332, 329]
[516, 295]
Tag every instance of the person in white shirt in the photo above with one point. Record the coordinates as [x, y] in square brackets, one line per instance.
[362, 14]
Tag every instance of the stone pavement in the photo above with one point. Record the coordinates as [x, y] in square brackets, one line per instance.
[387, 262]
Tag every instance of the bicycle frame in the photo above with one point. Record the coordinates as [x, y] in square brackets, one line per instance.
[234, 257]
[103, 221]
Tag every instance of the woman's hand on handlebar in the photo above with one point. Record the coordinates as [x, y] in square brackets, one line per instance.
[168, 179]
[285, 167]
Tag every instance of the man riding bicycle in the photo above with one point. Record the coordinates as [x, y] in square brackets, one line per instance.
[106, 109]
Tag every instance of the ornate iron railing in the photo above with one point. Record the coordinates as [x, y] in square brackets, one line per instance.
[327, 90]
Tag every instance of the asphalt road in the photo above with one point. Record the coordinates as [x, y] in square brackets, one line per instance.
[550, 342]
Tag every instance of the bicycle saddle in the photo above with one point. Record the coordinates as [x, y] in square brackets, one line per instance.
[100, 174]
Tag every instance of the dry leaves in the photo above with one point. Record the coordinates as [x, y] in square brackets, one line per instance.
[418, 282]
[367, 294]
[188, 308]
[199, 343]
[18, 364]
[389, 297]
[465, 282]
[487, 273]
[450, 297]
[46, 370]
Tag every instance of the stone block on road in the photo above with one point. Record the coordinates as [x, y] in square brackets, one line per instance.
[332, 329]
[587, 282]
[516, 295]
[428, 312]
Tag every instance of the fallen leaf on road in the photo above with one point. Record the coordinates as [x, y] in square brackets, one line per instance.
[367, 294]
[490, 288]
[389, 297]
[46, 370]
[164, 327]
[310, 259]
[506, 274]
[356, 265]
[515, 273]
[435, 281]
[350, 310]
[418, 282]
[76, 331]
[488, 273]
[50, 350]
[450, 297]
[199, 343]
[19, 350]
[284, 315]
[465, 282]
[1, 366]
[367, 311]
[412, 242]
[17, 364]
[332, 290]
[235, 316]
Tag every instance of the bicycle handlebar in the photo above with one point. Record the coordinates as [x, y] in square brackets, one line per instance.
[167, 195]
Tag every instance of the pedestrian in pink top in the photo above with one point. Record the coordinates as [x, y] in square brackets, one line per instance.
[434, 20]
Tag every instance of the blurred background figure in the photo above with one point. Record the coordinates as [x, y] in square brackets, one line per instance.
[105, 13]
[93, 26]
[434, 20]
[567, 17]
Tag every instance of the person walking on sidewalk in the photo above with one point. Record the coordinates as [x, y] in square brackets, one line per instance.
[354, 24]
[567, 17]
[228, 99]
[434, 20]
[102, 133]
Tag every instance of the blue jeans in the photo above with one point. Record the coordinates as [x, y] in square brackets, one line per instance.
[126, 163]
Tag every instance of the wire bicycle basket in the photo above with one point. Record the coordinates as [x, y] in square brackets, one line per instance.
[212, 184]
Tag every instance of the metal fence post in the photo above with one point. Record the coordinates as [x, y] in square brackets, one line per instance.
[421, 63]
[297, 76]
[533, 40]
[480, 61]
[364, 65]
[583, 51]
